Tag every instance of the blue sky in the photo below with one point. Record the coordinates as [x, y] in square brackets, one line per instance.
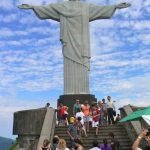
[31, 62]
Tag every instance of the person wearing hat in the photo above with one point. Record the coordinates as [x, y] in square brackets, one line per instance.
[76, 106]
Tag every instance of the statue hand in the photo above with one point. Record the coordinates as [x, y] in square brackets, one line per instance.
[123, 5]
[24, 6]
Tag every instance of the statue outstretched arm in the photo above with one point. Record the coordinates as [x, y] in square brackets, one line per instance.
[101, 12]
[123, 5]
[104, 12]
[43, 11]
[25, 6]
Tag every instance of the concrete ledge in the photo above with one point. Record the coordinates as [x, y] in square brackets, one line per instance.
[33, 126]
[28, 122]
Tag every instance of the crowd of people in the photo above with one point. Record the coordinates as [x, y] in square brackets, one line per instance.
[60, 144]
[86, 115]
[76, 143]
[95, 115]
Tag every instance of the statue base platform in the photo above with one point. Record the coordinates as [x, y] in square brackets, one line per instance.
[70, 100]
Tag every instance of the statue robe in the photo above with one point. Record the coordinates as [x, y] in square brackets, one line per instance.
[74, 18]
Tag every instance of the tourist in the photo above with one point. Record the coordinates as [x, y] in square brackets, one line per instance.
[80, 114]
[46, 145]
[76, 106]
[81, 125]
[47, 105]
[79, 144]
[86, 111]
[81, 128]
[72, 120]
[62, 145]
[100, 121]
[95, 145]
[104, 112]
[95, 115]
[62, 111]
[55, 143]
[144, 138]
[105, 145]
[72, 133]
[110, 110]
[117, 118]
[114, 142]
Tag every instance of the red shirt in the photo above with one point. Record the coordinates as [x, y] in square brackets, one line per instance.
[62, 110]
[95, 114]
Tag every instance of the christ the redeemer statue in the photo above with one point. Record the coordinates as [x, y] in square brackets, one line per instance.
[74, 17]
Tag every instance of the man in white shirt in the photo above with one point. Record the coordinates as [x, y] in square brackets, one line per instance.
[81, 115]
[110, 110]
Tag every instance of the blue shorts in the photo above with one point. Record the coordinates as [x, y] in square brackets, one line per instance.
[86, 118]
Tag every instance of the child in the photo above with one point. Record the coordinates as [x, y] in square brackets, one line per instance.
[81, 127]
[95, 115]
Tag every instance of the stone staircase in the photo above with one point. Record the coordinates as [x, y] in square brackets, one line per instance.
[118, 130]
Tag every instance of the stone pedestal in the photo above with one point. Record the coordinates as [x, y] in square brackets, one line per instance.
[27, 125]
[70, 100]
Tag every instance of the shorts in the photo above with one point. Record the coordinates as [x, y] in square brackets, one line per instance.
[83, 128]
[94, 124]
[90, 119]
[86, 118]
[61, 118]
[64, 116]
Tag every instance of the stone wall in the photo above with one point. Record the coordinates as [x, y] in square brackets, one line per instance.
[28, 125]
[133, 127]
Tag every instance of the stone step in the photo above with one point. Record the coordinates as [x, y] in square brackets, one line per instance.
[118, 130]
[125, 141]
[123, 146]
[98, 138]
[90, 144]
[93, 130]
[105, 132]
[122, 138]
[101, 127]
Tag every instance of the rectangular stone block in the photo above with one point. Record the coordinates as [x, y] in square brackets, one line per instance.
[28, 122]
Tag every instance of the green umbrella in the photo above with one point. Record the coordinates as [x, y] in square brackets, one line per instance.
[136, 115]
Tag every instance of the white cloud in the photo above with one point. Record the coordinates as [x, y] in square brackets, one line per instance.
[8, 18]
[145, 38]
[33, 71]
[6, 4]
[141, 25]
